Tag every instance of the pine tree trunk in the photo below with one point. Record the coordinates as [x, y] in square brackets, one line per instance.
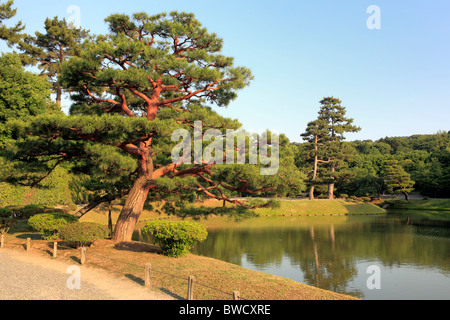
[134, 204]
[110, 224]
[331, 191]
[331, 185]
[131, 211]
[58, 95]
[406, 196]
[311, 192]
[316, 165]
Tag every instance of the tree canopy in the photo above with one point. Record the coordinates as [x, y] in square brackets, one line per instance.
[133, 88]
[50, 49]
[397, 179]
[10, 34]
[23, 94]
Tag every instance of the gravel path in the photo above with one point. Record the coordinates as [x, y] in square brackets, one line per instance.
[30, 277]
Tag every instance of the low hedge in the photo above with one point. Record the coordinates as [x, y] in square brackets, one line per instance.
[49, 224]
[83, 234]
[175, 238]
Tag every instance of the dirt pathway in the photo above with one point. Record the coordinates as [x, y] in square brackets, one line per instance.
[31, 277]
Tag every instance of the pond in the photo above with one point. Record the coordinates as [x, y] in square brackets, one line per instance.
[372, 258]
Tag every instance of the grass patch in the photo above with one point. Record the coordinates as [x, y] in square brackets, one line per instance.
[418, 204]
[321, 207]
[430, 212]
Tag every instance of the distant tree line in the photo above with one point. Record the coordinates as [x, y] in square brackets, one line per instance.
[391, 165]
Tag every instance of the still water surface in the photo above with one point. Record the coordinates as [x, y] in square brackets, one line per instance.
[335, 253]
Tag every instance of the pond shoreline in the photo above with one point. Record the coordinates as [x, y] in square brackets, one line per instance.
[130, 258]
[323, 215]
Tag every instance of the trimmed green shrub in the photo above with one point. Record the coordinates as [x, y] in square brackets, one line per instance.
[49, 224]
[6, 224]
[83, 234]
[175, 238]
[5, 213]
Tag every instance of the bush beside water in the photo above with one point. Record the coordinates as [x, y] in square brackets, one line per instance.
[175, 238]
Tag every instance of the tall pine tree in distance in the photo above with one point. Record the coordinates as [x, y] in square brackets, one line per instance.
[325, 137]
[51, 49]
[10, 34]
[334, 115]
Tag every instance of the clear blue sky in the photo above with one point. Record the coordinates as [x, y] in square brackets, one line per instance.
[394, 81]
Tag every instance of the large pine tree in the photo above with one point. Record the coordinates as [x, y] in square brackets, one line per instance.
[150, 76]
[325, 136]
[334, 115]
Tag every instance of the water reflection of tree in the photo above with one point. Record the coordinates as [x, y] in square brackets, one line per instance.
[312, 251]
[328, 255]
[327, 268]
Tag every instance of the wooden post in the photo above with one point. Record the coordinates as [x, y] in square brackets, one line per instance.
[83, 255]
[2, 240]
[190, 295]
[28, 244]
[148, 275]
[236, 295]
[55, 249]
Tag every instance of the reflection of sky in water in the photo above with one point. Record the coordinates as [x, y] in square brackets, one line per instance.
[404, 282]
[400, 282]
